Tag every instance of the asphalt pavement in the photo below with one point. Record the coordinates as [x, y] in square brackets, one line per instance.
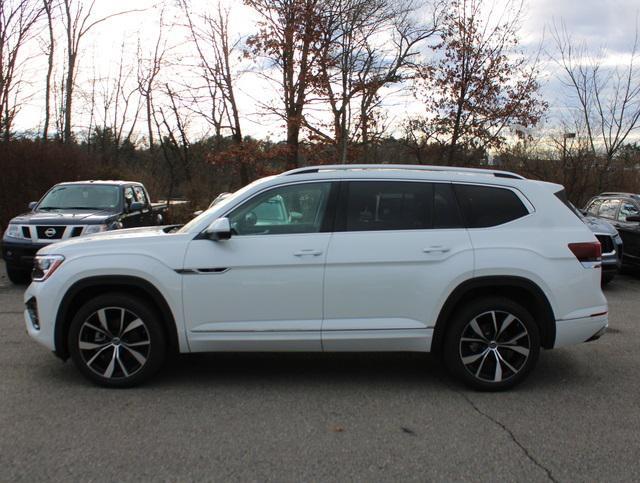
[324, 417]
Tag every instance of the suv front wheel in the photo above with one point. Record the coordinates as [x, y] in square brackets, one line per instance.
[116, 340]
[492, 344]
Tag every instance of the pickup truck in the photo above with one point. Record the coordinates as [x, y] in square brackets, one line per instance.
[74, 209]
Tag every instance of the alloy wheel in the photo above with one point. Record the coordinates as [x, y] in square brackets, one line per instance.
[494, 346]
[114, 343]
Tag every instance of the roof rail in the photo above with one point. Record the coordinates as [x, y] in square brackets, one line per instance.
[409, 167]
[618, 193]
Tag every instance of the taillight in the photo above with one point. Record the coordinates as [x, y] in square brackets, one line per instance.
[587, 252]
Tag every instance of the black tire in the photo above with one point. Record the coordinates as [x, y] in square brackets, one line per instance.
[607, 278]
[18, 276]
[474, 358]
[130, 343]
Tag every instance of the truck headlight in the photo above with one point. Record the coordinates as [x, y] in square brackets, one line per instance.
[14, 231]
[91, 229]
[44, 266]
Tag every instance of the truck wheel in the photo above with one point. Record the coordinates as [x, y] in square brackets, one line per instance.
[117, 340]
[18, 276]
[492, 344]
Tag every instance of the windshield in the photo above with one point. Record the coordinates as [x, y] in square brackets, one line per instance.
[81, 197]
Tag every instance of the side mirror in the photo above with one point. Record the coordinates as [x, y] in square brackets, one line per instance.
[136, 206]
[198, 213]
[634, 218]
[220, 229]
[32, 205]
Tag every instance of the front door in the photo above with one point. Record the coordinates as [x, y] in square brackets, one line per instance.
[262, 288]
[389, 264]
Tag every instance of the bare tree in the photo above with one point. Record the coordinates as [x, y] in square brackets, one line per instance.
[78, 21]
[607, 98]
[18, 20]
[367, 45]
[49, 6]
[288, 36]
[211, 37]
[149, 68]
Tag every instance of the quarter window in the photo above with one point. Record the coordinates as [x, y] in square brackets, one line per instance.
[485, 206]
[296, 208]
[608, 209]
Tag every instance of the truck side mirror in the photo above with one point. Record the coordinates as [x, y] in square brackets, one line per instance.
[220, 229]
[32, 205]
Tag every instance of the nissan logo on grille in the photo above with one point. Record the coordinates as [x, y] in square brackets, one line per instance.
[49, 232]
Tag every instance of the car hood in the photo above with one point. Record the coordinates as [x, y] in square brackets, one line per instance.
[600, 226]
[63, 217]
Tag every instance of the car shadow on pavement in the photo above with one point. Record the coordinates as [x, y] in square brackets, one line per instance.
[302, 368]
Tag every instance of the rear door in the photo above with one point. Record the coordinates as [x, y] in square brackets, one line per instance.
[389, 264]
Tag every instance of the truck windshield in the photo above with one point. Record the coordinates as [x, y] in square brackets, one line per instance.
[81, 197]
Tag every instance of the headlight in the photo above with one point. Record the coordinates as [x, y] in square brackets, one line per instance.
[44, 266]
[14, 231]
[89, 230]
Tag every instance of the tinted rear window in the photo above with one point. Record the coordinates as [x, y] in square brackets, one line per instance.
[485, 206]
[382, 205]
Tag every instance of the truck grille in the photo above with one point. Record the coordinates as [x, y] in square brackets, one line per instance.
[50, 232]
[607, 243]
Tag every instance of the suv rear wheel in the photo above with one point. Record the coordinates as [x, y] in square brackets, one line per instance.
[116, 340]
[492, 344]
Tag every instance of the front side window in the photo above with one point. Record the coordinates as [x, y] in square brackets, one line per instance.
[485, 206]
[296, 208]
[608, 209]
[594, 207]
[627, 209]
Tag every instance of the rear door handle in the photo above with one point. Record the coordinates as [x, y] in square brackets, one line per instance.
[309, 252]
[436, 249]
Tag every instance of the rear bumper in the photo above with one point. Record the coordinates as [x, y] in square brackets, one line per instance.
[19, 255]
[576, 331]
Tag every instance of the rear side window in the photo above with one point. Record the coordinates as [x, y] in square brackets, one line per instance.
[485, 206]
[389, 205]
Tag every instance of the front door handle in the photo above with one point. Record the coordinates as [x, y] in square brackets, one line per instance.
[309, 252]
[436, 249]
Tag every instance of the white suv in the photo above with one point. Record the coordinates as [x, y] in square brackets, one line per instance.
[483, 267]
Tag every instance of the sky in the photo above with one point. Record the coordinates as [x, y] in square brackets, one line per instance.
[606, 24]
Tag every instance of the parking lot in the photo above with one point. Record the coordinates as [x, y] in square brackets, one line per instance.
[324, 416]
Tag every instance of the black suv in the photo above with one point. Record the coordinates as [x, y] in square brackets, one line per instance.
[622, 210]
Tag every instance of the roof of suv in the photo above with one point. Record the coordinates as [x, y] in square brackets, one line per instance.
[402, 167]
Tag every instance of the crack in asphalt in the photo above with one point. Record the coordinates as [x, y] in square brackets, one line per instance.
[511, 436]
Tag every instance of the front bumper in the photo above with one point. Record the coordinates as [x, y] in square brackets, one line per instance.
[20, 254]
[43, 330]
[576, 331]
